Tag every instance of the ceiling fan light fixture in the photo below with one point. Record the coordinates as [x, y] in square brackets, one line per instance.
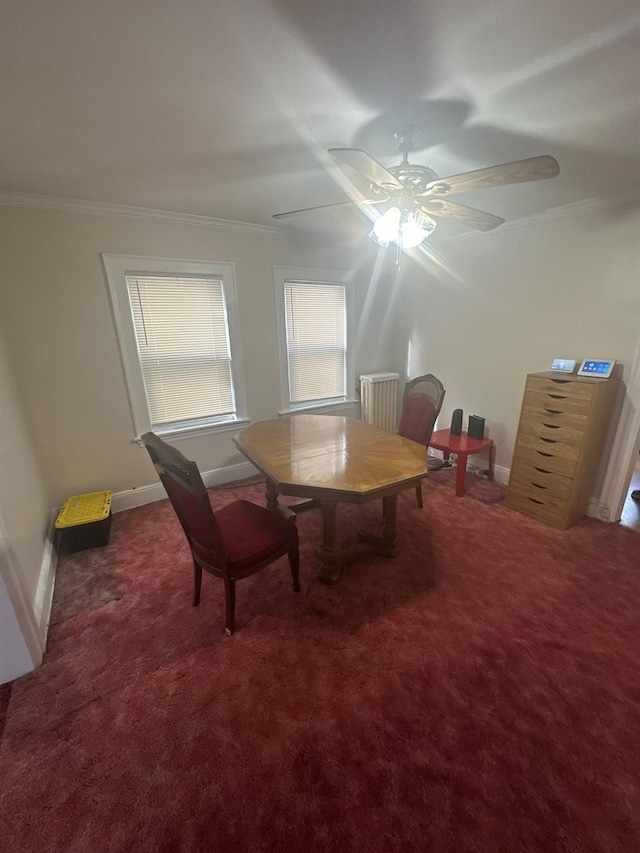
[387, 227]
[406, 229]
[415, 228]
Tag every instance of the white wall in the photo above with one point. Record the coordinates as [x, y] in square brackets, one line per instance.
[60, 334]
[24, 516]
[24, 499]
[504, 304]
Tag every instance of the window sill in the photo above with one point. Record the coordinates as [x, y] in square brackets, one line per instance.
[319, 407]
[196, 431]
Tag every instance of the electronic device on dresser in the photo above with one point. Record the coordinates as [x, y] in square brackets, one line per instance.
[563, 365]
[563, 426]
[600, 367]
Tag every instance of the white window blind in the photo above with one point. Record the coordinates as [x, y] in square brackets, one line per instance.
[316, 329]
[182, 334]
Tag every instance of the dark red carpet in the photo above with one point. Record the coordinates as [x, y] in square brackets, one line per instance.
[479, 693]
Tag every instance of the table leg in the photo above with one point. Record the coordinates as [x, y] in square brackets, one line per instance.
[492, 453]
[461, 474]
[272, 495]
[329, 563]
[389, 531]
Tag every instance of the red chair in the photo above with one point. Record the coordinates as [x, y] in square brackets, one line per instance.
[421, 404]
[232, 543]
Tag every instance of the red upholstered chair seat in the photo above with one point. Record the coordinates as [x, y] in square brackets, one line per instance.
[252, 533]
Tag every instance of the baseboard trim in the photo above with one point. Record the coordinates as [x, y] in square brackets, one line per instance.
[597, 509]
[44, 593]
[132, 498]
[501, 474]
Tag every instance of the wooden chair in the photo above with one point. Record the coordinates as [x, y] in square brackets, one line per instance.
[421, 404]
[232, 543]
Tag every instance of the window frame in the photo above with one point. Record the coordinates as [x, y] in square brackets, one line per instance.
[311, 277]
[117, 268]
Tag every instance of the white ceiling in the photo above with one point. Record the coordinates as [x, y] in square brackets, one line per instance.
[225, 108]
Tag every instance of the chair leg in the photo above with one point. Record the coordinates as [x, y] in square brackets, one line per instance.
[419, 495]
[230, 605]
[197, 583]
[294, 563]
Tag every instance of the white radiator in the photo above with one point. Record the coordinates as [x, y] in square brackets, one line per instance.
[379, 400]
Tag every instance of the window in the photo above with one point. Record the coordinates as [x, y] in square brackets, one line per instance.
[178, 331]
[313, 316]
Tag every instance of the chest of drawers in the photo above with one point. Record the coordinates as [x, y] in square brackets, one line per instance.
[563, 425]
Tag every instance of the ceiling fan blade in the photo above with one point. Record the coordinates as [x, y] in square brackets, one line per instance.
[335, 204]
[469, 216]
[366, 165]
[520, 171]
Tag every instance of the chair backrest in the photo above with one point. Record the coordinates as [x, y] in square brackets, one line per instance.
[190, 500]
[421, 404]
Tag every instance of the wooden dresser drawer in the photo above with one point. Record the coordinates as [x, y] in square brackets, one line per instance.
[549, 445]
[542, 512]
[538, 496]
[565, 434]
[556, 402]
[557, 416]
[533, 482]
[543, 462]
[562, 389]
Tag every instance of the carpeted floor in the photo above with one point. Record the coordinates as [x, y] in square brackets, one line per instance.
[481, 692]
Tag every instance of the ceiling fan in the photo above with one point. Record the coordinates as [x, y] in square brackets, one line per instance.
[415, 197]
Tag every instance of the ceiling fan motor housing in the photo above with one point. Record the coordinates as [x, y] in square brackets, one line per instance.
[413, 176]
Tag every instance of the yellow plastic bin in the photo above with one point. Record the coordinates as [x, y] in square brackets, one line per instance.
[85, 521]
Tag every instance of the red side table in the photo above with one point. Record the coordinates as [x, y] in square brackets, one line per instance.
[463, 447]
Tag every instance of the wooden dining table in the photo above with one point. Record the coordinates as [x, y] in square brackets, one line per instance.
[330, 460]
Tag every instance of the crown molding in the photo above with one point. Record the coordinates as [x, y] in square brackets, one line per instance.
[122, 211]
[576, 208]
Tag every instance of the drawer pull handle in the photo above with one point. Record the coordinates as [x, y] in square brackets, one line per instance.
[538, 486]
[533, 500]
[547, 440]
[557, 396]
[553, 411]
[542, 453]
[561, 381]
[542, 470]
[551, 426]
